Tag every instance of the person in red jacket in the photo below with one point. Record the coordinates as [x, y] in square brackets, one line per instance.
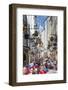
[41, 71]
[25, 71]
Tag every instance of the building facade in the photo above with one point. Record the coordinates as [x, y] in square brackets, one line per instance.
[36, 42]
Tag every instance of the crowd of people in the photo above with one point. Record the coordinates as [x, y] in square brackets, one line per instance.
[49, 64]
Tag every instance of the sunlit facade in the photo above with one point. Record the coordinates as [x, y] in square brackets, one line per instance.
[36, 38]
